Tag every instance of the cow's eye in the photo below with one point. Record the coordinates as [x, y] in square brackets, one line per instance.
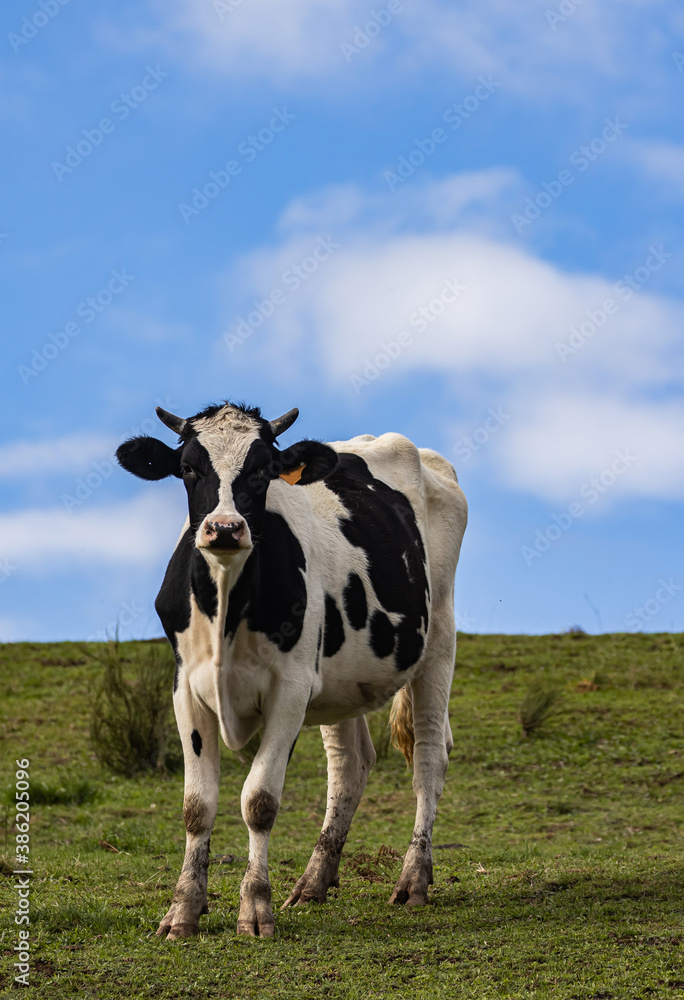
[188, 472]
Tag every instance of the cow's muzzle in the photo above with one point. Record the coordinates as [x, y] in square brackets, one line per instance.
[223, 534]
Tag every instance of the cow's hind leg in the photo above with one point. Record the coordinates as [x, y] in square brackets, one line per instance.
[350, 757]
[198, 728]
[430, 697]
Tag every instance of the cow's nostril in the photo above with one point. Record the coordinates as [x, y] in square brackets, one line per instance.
[224, 534]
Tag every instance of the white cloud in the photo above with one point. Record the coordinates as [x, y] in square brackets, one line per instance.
[478, 196]
[73, 452]
[562, 440]
[513, 311]
[241, 38]
[303, 39]
[586, 364]
[52, 540]
[529, 47]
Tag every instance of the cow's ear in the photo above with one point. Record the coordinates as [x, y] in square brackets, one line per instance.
[307, 462]
[148, 458]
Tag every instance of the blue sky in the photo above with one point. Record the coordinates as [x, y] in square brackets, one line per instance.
[460, 221]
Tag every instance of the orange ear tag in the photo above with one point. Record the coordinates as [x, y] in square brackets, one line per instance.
[294, 476]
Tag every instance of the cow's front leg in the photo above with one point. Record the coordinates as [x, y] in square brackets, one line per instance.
[351, 755]
[260, 803]
[198, 727]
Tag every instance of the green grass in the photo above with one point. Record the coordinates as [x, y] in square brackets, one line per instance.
[563, 878]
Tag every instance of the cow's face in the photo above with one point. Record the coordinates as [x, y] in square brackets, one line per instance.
[227, 458]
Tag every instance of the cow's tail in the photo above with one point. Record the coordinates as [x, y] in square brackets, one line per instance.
[401, 723]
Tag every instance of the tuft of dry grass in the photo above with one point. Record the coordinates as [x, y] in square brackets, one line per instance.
[374, 868]
[132, 727]
[539, 708]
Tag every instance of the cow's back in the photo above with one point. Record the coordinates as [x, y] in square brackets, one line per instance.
[430, 483]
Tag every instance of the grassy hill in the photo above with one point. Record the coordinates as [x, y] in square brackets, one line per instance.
[558, 872]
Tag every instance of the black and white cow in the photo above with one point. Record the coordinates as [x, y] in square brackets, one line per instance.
[308, 587]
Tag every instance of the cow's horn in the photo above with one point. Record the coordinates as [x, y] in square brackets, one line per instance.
[280, 425]
[173, 422]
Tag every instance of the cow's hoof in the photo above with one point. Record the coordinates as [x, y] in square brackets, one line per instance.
[302, 896]
[255, 918]
[417, 899]
[312, 886]
[179, 931]
[409, 897]
[256, 928]
[310, 890]
[180, 922]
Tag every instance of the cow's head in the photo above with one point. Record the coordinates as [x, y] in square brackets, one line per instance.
[227, 457]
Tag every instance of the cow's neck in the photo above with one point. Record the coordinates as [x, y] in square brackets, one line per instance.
[213, 581]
